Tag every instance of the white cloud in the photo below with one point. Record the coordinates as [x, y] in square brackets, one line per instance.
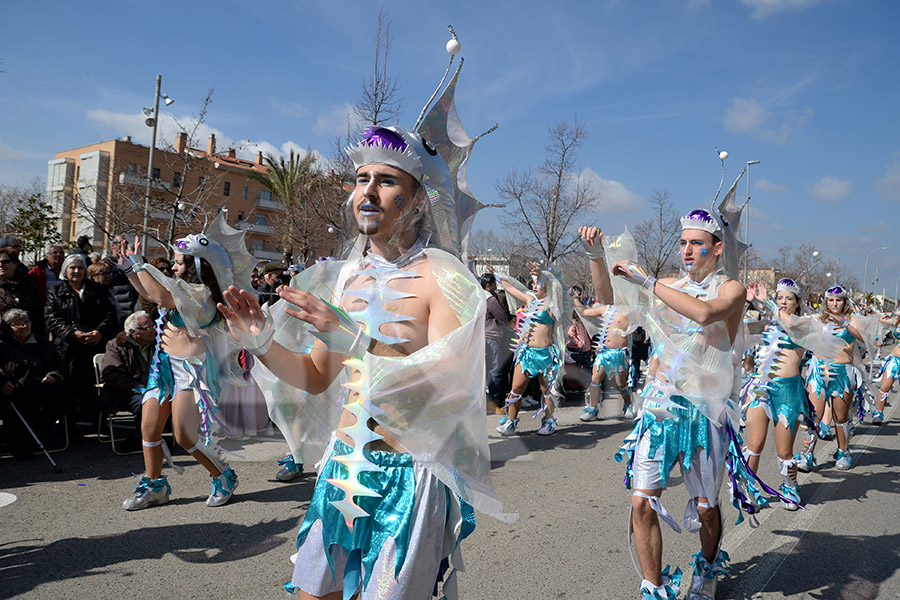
[764, 8]
[614, 196]
[764, 185]
[889, 184]
[830, 190]
[119, 124]
[9, 153]
[286, 107]
[747, 116]
[335, 120]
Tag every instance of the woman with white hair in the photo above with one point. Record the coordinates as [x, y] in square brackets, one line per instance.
[80, 318]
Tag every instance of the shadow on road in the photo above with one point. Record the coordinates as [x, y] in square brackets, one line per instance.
[26, 564]
[823, 566]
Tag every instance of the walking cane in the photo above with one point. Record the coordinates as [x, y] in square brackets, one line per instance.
[56, 467]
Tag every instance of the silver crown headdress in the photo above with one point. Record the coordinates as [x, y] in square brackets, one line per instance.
[836, 291]
[723, 222]
[436, 156]
[786, 284]
[223, 247]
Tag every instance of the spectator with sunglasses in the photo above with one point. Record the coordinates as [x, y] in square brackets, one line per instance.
[18, 291]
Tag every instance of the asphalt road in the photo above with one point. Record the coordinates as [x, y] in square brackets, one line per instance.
[66, 536]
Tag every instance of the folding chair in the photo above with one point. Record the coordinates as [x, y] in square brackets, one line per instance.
[115, 418]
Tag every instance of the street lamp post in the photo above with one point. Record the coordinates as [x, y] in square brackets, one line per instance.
[866, 275]
[151, 121]
[747, 217]
[896, 298]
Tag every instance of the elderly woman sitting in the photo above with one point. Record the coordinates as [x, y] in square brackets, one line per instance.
[30, 378]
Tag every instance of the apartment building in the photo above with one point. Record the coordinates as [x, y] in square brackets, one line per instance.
[99, 190]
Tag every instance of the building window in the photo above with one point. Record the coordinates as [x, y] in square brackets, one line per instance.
[176, 180]
[265, 195]
[257, 245]
[200, 182]
[155, 173]
[132, 169]
[244, 193]
[260, 219]
[227, 188]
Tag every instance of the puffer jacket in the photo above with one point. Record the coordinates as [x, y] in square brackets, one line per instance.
[20, 292]
[66, 313]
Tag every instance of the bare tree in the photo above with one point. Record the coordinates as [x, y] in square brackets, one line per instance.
[657, 237]
[184, 199]
[380, 100]
[13, 197]
[541, 203]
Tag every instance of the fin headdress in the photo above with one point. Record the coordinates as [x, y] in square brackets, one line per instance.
[436, 154]
[786, 284]
[223, 247]
[836, 291]
[722, 221]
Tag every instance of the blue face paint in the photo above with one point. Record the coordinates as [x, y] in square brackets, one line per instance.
[703, 252]
[689, 267]
[399, 201]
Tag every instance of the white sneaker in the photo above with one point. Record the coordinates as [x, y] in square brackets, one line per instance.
[290, 470]
[148, 492]
[529, 402]
[223, 488]
[590, 413]
[548, 426]
[509, 427]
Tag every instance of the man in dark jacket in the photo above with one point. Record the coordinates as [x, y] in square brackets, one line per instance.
[45, 274]
[126, 367]
[497, 354]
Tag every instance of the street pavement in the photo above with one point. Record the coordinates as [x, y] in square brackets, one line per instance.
[66, 535]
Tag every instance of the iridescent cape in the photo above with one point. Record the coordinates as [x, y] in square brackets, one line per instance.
[696, 360]
[431, 401]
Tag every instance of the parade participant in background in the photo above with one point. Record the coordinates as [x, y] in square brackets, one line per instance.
[890, 369]
[194, 358]
[609, 325]
[540, 347]
[497, 357]
[690, 410]
[396, 364]
[834, 380]
[776, 386]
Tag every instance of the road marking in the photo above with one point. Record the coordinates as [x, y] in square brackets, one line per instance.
[6, 499]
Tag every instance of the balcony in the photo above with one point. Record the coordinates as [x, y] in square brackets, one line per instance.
[268, 204]
[254, 227]
[157, 184]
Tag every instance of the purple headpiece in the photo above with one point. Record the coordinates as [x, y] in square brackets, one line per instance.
[702, 220]
[836, 291]
[789, 285]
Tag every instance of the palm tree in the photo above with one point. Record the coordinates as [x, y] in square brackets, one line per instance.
[290, 180]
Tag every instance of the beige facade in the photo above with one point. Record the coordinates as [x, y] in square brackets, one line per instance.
[99, 191]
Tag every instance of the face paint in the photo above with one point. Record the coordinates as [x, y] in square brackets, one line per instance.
[703, 252]
[689, 267]
[399, 201]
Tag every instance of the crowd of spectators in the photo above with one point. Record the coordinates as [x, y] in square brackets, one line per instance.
[56, 316]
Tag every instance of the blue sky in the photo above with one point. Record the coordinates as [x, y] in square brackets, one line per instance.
[808, 87]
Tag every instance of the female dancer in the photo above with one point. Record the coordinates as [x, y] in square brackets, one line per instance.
[890, 369]
[192, 361]
[778, 387]
[834, 380]
[537, 354]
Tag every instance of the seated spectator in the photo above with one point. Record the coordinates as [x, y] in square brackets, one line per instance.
[80, 318]
[30, 378]
[126, 367]
[45, 274]
[17, 290]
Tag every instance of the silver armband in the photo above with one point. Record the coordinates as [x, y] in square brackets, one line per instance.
[348, 338]
[595, 251]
